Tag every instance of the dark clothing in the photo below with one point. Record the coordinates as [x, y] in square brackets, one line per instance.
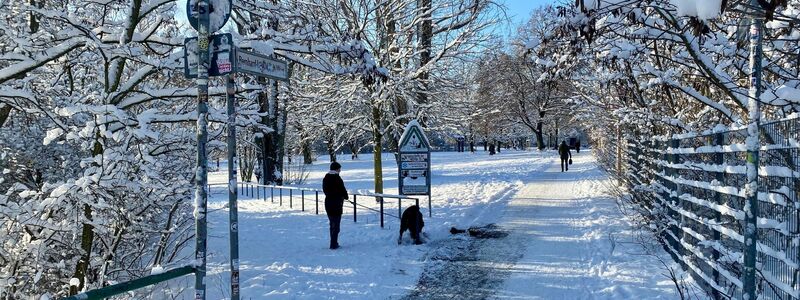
[335, 194]
[578, 146]
[563, 152]
[335, 222]
[412, 221]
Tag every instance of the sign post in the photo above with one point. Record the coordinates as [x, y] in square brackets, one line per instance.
[216, 55]
[206, 16]
[201, 173]
[233, 210]
[414, 169]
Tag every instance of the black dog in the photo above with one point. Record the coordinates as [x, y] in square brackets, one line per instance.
[411, 220]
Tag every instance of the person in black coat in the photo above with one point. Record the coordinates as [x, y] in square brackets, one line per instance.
[335, 194]
[563, 151]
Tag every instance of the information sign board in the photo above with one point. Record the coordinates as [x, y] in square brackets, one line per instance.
[414, 169]
[222, 55]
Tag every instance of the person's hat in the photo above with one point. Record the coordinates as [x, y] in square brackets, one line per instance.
[335, 166]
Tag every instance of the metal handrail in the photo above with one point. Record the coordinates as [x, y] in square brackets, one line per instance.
[127, 286]
[358, 192]
[254, 189]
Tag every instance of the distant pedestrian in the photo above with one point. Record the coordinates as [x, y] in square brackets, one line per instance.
[563, 151]
[335, 194]
[578, 146]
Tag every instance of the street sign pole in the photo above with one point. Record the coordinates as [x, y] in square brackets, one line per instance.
[201, 174]
[233, 211]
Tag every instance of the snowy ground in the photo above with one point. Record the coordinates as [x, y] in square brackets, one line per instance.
[559, 238]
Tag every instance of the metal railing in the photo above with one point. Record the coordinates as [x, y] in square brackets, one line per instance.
[279, 192]
[127, 286]
[693, 187]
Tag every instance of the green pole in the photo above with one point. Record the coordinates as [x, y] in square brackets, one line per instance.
[233, 211]
[201, 198]
[753, 144]
[127, 286]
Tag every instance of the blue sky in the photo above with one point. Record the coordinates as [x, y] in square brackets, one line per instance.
[519, 10]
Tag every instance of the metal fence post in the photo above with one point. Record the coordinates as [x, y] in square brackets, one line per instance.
[280, 197]
[719, 159]
[430, 208]
[355, 209]
[676, 229]
[271, 195]
[381, 213]
[316, 202]
[290, 198]
[753, 144]
[302, 200]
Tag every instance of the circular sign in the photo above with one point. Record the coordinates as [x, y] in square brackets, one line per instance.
[219, 13]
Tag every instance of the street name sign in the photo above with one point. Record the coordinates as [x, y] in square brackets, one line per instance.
[260, 65]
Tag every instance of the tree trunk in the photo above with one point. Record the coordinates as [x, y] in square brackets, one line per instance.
[306, 149]
[425, 36]
[264, 140]
[279, 149]
[377, 139]
[331, 150]
[353, 151]
[400, 104]
[5, 112]
[87, 234]
[539, 136]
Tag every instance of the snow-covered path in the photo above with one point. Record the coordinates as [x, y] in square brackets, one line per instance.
[578, 245]
[560, 237]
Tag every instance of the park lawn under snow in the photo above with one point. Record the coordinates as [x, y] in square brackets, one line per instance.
[284, 252]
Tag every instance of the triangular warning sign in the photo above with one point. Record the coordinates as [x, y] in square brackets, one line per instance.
[414, 139]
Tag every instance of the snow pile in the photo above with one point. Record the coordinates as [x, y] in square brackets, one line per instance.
[157, 270]
[702, 9]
